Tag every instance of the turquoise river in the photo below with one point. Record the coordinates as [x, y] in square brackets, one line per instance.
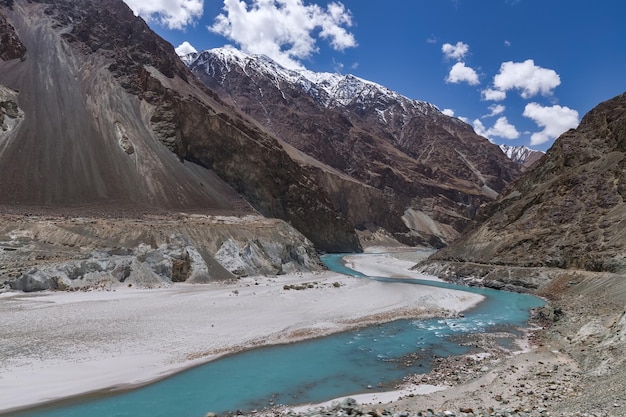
[364, 360]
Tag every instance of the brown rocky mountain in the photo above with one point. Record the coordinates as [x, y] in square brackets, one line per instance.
[100, 116]
[560, 232]
[387, 162]
[569, 211]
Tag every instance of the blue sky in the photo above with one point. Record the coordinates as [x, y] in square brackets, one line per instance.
[520, 71]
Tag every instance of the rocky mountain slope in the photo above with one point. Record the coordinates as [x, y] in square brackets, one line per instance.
[386, 161]
[559, 232]
[523, 155]
[102, 124]
[568, 211]
[117, 123]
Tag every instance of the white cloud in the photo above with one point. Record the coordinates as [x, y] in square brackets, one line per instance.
[457, 51]
[493, 95]
[185, 48]
[338, 66]
[502, 129]
[284, 30]
[507, 43]
[496, 109]
[527, 77]
[448, 112]
[554, 120]
[460, 73]
[480, 128]
[174, 14]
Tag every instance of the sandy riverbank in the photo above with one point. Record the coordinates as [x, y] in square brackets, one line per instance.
[60, 344]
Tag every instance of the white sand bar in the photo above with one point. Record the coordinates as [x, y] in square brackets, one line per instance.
[60, 344]
[385, 265]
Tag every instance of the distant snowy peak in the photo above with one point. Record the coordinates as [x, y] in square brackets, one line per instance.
[521, 154]
[331, 90]
[189, 58]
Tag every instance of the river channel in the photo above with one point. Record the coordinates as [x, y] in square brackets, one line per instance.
[364, 360]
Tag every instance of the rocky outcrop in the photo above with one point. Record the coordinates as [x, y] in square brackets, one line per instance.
[424, 174]
[70, 254]
[142, 125]
[10, 45]
[142, 267]
[568, 211]
[507, 278]
[10, 112]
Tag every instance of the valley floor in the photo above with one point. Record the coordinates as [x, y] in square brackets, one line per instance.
[60, 344]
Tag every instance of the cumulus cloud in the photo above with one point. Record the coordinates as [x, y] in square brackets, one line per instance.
[491, 94]
[480, 128]
[185, 48]
[173, 14]
[502, 129]
[526, 77]
[284, 30]
[457, 51]
[553, 119]
[448, 112]
[496, 109]
[460, 73]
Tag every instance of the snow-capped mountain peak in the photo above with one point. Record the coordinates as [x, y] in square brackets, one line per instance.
[368, 144]
[330, 89]
[521, 154]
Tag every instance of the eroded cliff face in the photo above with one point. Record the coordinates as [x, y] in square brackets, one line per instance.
[114, 121]
[61, 253]
[569, 211]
